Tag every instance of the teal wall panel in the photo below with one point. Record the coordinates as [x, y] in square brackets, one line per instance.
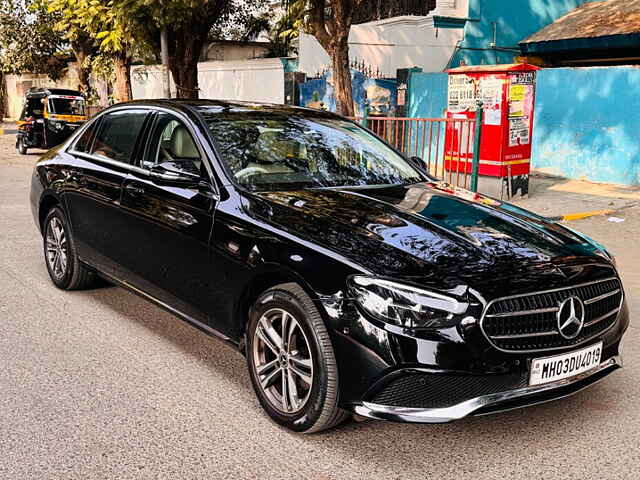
[587, 124]
[427, 95]
[514, 19]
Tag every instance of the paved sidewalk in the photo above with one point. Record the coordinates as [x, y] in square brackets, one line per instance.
[553, 196]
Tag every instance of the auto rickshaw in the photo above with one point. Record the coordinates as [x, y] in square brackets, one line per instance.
[49, 116]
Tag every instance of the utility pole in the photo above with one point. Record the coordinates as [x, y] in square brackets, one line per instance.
[164, 54]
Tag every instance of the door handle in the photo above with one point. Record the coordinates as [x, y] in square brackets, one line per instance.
[133, 189]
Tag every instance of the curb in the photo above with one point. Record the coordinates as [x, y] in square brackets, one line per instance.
[593, 213]
[8, 131]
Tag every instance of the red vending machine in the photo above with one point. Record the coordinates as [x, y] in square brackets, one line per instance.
[507, 93]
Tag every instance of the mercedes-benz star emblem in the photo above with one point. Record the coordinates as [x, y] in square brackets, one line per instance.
[570, 317]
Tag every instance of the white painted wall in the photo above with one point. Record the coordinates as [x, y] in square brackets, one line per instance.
[146, 82]
[258, 80]
[398, 42]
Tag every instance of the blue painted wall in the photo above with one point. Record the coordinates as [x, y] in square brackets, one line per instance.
[587, 123]
[383, 94]
[516, 20]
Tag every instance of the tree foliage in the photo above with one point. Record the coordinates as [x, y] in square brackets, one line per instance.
[100, 25]
[189, 24]
[283, 32]
[115, 32]
[28, 41]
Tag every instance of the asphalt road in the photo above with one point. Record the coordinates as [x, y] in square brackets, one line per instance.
[101, 384]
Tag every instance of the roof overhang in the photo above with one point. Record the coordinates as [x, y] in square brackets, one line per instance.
[578, 44]
[441, 21]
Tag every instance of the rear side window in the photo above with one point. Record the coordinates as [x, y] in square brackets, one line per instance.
[84, 141]
[118, 135]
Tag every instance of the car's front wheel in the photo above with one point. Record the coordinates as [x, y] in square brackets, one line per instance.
[60, 254]
[291, 361]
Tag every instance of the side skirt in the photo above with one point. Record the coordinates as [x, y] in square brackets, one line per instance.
[212, 332]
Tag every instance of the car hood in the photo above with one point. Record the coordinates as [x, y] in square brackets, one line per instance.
[436, 235]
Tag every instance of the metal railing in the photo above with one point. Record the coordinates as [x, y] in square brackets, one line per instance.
[447, 146]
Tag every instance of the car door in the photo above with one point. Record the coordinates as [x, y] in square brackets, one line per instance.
[169, 226]
[103, 156]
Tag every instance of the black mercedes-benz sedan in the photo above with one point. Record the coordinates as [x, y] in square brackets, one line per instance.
[351, 280]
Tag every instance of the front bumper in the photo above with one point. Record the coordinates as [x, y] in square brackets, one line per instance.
[495, 402]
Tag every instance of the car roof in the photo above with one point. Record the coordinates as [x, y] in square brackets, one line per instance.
[211, 107]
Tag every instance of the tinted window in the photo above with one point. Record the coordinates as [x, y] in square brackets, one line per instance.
[84, 141]
[118, 134]
[171, 141]
[32, 108]
[270, 152]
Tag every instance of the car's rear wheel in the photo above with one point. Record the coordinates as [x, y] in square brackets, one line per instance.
[21, 147]
[60, 255]
[291, 361]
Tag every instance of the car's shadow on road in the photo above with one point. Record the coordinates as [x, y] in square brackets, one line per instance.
[517, 432]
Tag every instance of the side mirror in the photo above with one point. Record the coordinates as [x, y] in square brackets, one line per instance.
[418, 163]
[175, 173]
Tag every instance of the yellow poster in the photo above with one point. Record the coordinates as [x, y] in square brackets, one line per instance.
[517, 93]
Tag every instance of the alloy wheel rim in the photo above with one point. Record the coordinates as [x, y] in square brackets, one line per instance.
[56, 245]
[283, 361]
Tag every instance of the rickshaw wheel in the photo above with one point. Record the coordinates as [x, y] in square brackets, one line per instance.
[22, 149]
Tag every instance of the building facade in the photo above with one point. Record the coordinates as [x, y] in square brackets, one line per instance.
[452, 33]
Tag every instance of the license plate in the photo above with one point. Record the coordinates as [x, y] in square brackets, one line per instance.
[558, 367]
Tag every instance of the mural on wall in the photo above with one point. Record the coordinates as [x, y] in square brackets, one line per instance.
[382, 94]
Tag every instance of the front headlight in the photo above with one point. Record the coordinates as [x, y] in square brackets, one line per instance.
[405, 305]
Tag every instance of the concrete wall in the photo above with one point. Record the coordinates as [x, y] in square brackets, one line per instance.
[398, 42]
[231, 51]
[259, 80]
[586, 124]
[514, 21]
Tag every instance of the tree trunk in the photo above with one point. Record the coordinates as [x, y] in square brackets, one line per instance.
[185, 76]
[83, 74]
[82, 48]
[184, 53]
[342, 75]
[331, 29]
[123, 78]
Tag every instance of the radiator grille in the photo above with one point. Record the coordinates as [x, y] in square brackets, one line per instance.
[529, 322]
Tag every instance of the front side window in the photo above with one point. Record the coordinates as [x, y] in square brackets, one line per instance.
[118, 135]
[271, 152]
[172, 142]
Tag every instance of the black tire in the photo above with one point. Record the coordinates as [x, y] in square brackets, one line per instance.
[73, 275]
[21, 147]
[320, 410]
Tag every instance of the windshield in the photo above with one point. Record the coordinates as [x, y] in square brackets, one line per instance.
[271, 152]
[66, 106]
